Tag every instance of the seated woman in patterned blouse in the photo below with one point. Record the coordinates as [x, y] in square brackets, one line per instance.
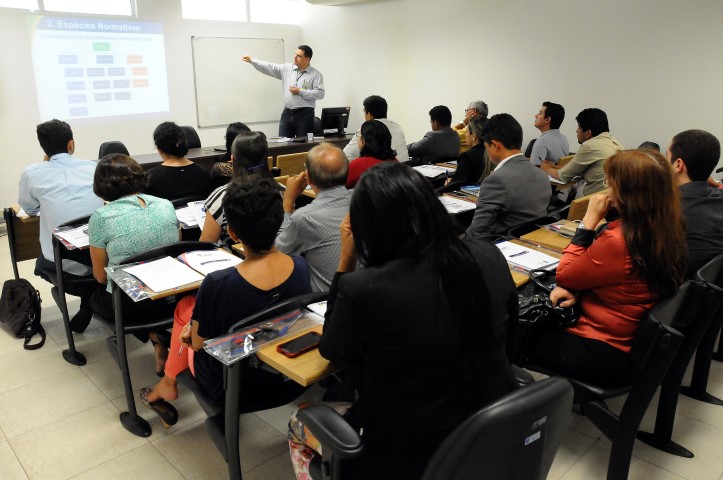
[131, 222]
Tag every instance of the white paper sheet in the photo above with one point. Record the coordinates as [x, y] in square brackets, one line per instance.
[207, 261]
[78, 237]
[185, 216]
[198, 210]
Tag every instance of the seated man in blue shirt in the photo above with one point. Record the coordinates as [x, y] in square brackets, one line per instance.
[60, 189]
[694, 154]
[442, 141]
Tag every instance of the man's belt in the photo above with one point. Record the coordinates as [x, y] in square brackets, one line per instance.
[295, 110]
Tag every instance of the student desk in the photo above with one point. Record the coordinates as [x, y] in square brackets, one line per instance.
[305, 369]
[23, 236]
[546, 238]
[207, 156]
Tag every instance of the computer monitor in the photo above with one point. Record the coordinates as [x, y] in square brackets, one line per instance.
[336, 118]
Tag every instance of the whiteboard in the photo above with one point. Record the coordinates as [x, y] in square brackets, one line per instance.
[231, 90]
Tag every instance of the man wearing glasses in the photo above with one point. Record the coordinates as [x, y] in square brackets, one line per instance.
[478, 107]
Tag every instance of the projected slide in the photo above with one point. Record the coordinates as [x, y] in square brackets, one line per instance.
[88, 68]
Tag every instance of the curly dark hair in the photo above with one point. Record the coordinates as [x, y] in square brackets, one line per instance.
[254, 211]
[170, 139]
[118, 175]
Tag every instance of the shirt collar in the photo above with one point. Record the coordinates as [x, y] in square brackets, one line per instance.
[499, 165]
[59, 157]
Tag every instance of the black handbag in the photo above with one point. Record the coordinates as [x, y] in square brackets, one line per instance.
[20, 311]
[536, 313]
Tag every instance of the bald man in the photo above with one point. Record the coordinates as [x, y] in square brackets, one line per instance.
[312, 231]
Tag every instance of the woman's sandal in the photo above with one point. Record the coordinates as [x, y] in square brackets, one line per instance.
[167, 412]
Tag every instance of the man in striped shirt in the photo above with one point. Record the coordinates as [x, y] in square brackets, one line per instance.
[313, 231]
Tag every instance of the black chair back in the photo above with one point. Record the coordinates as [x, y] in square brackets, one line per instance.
[515, 437]
[711, 273]
[192, 139]
[114, 146]
[695, 314]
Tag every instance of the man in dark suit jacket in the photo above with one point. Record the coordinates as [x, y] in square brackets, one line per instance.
[516, 192]
[441, 141]
[694, 154]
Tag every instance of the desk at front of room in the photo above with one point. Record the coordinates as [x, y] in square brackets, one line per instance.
[207, 156]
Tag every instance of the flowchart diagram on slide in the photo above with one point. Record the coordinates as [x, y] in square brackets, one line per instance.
[86, 68]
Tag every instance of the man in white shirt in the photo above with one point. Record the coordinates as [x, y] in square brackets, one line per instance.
[303, 86]
[552, 145]
[375, 108]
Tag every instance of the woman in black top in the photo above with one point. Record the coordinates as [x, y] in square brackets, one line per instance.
[473, 166]
[177, 176]
[424, 322]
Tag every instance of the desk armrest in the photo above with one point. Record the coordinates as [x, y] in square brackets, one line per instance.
[332, 431]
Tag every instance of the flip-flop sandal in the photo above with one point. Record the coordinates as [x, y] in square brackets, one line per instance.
[167, 412]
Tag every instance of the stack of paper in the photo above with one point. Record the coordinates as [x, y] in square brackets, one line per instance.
[456, 205]
[164, 274]
[526, 257]
[432, 171]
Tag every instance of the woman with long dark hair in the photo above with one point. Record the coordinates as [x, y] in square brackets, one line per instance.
[617, 273]
[248, 154]
[375, 145]
[424, 321]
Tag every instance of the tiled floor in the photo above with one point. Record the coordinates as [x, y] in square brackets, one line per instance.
[58, 421]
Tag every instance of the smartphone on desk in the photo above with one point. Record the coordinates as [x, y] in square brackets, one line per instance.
[299, 345]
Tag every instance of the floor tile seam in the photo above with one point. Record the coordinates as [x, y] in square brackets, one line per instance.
[661, 467]
[27, 475]
[105, 462]
[579, 457]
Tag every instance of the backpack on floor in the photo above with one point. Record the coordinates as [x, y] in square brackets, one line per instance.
[20, 311]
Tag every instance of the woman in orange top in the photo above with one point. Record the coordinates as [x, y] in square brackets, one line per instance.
[617, 273]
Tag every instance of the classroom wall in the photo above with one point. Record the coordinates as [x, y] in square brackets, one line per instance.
[655, 67]
[18, 103]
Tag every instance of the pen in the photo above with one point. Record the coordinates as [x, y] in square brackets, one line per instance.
[180, 350]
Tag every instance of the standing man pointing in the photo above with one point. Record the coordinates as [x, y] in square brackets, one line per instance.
[303, 85]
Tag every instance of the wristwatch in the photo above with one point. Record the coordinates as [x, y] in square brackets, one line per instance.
[581, 226]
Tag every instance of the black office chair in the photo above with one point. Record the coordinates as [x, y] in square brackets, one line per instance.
[161, 317]
[318, 131]
[515, 437]
[63, 284]
[115, 146]
[652, 352]
[528, 150]
[192, 139]
[223, 422]
[712, 272]
[194, 233]
[705, 300]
